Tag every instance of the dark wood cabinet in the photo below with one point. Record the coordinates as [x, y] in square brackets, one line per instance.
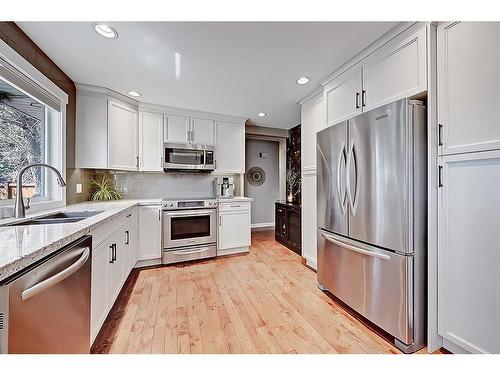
[288, 230]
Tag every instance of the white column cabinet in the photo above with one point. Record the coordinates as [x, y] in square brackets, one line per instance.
[149, 232]
[468, 86]
[202, 131]
[397, 70]
[122, 137]
[469, 255]
[343, 96]
[150, 142]
[313, 120]
[229, 147]
[176, 129]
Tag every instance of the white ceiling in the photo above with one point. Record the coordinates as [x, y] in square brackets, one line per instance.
[235, 68]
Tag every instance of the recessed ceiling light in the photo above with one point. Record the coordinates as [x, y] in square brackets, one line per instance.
[303, 80]
[262, 114]
[134, 93]
[106, 31]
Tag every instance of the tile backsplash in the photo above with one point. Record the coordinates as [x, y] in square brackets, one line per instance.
[136, 185]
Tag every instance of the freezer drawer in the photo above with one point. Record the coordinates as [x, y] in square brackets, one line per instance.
[375, 283]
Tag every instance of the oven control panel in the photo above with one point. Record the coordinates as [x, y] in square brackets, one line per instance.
[187, 204]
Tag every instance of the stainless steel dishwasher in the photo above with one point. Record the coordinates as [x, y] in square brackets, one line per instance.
[46, 307]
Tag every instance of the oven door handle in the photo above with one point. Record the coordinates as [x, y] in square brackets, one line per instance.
[188, 252]
[189, 214]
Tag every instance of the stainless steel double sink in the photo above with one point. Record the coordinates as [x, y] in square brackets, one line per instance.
[56, 218]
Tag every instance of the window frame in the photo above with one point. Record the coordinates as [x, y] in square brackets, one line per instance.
[55, 133]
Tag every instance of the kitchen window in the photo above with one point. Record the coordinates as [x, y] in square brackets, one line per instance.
[32, 129]
[22, 141]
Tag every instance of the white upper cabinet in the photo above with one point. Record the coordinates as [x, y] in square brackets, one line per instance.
[176, 129]
[468, 253]
[395, 71]
[91, 132]
[312, 120]
[122, 137]
[343, 96]
[150, 142]
[229, 147]
[202, 131]
[468, 86]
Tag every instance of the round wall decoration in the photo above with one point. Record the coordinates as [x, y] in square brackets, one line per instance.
[256, 176]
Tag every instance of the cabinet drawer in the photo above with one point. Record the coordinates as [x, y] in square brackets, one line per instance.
[234, 206]
[353, 272]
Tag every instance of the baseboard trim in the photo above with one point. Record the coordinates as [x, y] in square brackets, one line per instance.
[310, 262]
[148, 263]
[263, 225]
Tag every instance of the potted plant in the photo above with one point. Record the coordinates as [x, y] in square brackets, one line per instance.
[105, 190]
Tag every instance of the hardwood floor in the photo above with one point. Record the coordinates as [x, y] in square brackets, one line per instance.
[262, 302]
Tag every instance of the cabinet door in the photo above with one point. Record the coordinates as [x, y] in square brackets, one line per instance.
[280, 222]
[122, 137]
[397, 70]
[118, 266]
[294, 233]
[202, 132]
[91, 132]
[101, 256]
[149, 224]
[234, 229]
[343, 96]
[175, 129]
[468, 253]
[150, 142]
[131, 239]
[229, 148]
[468, 86]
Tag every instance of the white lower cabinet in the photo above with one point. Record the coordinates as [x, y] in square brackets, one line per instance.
[101, 256]
[131, 238]
[468, 251]
[149, 232]
[234, 228]
[113, 258]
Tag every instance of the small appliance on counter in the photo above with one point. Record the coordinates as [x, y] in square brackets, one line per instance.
[224, 187]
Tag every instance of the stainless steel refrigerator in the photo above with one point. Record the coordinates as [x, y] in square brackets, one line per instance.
[372, 217]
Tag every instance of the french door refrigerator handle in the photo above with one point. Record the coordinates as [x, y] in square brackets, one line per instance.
[336, 241]
[352, 200]
[342, 200]
[57, 278]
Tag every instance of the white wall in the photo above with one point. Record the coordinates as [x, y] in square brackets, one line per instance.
[266, 194]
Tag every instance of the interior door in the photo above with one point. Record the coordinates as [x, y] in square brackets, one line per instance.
[330, 180]
[377, 177]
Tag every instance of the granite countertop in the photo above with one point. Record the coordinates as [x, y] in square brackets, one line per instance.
[285, 203]
[23, 245]
[235, 199]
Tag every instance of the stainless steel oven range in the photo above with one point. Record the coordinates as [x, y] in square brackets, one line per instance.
[189, 229]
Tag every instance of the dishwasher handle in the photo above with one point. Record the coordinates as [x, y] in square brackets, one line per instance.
[57, 278]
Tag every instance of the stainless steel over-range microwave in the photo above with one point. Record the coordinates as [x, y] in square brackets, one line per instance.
[181, 156]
